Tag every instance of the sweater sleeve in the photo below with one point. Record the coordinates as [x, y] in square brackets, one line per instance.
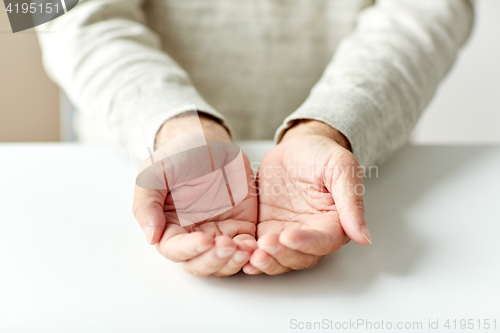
[110, 64]
[386, 72]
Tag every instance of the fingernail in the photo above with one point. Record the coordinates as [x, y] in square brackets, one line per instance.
[241, 256]
[224, 252]
[271, 249]
[366, 234]
[149, 233]
[203, 248]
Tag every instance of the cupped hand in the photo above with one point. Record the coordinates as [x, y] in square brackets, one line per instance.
[219, 245]
[310, 200]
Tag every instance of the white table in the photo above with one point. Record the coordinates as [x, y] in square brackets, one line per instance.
[73, 259]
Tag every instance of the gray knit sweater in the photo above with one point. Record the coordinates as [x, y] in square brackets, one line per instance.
[367, 68]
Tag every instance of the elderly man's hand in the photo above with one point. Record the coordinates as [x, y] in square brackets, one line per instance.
[310, 200]
[219, 245]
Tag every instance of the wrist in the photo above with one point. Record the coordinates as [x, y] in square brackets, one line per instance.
[212, 128]
[303, 127]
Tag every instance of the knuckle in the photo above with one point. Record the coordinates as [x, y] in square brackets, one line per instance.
[358, 203]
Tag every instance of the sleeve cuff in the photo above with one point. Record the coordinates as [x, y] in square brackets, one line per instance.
[351, 112]
[152, 111]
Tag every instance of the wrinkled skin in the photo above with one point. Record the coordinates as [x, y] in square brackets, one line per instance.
[218, 246]
[310, 204]
[307, 204]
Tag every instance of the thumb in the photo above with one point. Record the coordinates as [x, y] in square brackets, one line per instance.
[346, 187]
[149, 199]
[148, 210]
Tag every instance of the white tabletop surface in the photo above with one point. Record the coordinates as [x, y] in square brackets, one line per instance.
[73, 259]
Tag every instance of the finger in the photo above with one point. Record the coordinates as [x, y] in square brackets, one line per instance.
[311, 241]
[250, 269]
[347, 190]
[266, 263]
[284, 255]
[148, 210]
[213, 260]
[234, 265]
[179, 245]
[238, 260]
[248, 241]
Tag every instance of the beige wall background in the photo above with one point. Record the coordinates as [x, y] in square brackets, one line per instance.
[29, 101]
[466, 108]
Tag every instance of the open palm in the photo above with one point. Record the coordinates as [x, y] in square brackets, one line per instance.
[308, 206]
[219, 245]
[185, 204]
